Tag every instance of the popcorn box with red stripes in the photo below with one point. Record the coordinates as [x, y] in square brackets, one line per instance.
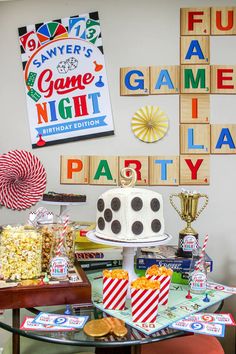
[144, 304]
[114, 293]
[165, 281]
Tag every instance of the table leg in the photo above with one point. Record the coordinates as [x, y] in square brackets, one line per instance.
[134, 349]
[15, 336]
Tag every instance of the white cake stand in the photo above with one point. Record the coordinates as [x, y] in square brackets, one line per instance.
[129, 249]
[63, 205]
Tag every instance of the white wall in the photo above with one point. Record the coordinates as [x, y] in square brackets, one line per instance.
[134, 33]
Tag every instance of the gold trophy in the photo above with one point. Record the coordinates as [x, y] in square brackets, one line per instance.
[188, 237]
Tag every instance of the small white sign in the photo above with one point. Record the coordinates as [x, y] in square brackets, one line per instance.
[60, 320]
[216, 329]
[28, 325]
[220, 287]
[222, 318]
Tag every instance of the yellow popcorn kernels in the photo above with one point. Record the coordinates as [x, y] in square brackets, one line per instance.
[20, 252]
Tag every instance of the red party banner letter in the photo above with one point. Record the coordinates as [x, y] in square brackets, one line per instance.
[137, 168]
[192, 20]
[194, 168]
[230, 21]
[194, 108]
[221, 77]
[73, 166]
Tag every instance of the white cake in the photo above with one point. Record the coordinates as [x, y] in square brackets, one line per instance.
[130, 214]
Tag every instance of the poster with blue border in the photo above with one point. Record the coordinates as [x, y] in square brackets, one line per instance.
[65, 80]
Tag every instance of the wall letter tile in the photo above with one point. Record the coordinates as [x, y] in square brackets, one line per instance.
[164, 170]
[194, 170]
[134, 81]
[195, 21]
[164, 80]
[194, 108]
[195, 139]
[74, 170]
[139, 164]
[104, 170]
[223, 138]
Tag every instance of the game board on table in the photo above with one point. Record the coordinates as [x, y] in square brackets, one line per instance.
[177, 308]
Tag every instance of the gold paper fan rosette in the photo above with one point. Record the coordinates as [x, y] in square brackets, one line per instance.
[149, 124]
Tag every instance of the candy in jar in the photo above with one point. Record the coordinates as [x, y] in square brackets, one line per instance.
[59, 260]
[49, 232]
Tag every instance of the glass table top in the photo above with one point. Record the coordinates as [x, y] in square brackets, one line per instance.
[79, 338]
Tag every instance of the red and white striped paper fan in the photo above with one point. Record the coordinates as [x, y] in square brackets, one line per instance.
[22, 180]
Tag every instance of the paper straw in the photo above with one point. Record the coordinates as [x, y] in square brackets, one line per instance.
[62, 235]
[202, 253]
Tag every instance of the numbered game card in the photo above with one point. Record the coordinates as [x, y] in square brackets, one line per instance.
[221, 287]
[28, 325]
[65, 80]
[51, 319]
[211, 329]
[222, 318]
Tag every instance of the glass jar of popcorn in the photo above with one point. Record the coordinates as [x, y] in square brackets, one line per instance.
[49, 232]
[20, 252]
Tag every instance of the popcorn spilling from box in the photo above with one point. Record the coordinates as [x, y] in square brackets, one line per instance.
[115, 288]
[144, 299]
[162, 274]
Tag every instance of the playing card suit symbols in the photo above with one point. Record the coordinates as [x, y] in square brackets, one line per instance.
[149, 124]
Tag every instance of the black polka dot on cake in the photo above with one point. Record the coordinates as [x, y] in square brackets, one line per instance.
[101, 223]
[108, 215]
[137, 204]
[116, 227]
[137, 227]
[155, 204]
[100, 204]
[115, 204]
[156, 225]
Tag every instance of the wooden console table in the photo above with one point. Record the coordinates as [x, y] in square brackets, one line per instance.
[64, 293]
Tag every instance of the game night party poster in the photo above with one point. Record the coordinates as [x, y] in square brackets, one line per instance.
[65, 80]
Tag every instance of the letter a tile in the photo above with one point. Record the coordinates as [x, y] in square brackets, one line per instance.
[195, 50]
[104, 170]
[164, 80]
[223, 138]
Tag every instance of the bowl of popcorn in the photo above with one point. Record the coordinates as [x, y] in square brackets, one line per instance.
[115, 288]
[144, 299]
[163, 275]
[20, 252]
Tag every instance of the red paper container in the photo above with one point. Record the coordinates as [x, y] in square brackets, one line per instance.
[114, 293]
[164, 287]
[144, 304]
